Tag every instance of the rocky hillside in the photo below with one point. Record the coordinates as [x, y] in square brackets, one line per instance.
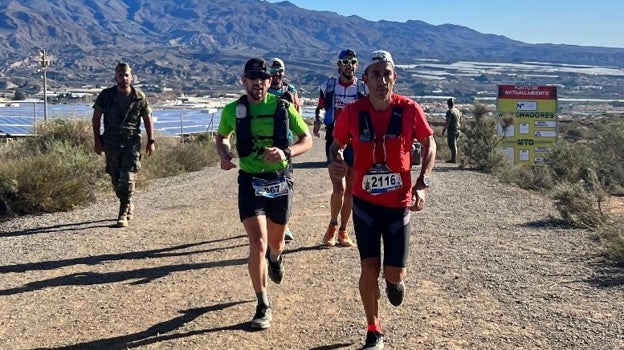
[191, 44]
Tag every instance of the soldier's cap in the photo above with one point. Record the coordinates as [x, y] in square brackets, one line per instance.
[379, 56]
[346, 53]
[122, 67]
[257, 68]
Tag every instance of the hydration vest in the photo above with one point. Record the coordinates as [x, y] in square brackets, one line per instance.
[245, 141]
[286, 91]
[391, 139]
[330, 96]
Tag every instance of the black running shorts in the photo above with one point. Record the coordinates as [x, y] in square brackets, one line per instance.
[276, 209]
[372, 223]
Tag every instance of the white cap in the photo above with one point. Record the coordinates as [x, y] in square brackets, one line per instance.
[277, 63]
[379, 56]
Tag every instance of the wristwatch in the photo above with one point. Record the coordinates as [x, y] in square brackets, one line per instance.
[287, 153]
[426, 180]
[151, 141]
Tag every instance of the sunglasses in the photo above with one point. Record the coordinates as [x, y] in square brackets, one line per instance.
[345, 61]
[256, 75]
[275, 71]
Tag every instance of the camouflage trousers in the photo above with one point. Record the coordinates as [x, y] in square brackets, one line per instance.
[123, 161]
[451, 140]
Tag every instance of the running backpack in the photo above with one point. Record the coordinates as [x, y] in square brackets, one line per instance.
[394, 130]
[330, 96]
[245, 140]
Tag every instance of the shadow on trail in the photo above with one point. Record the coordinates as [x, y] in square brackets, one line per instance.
[548, 223]
[331, 347]
[158, 332]
[305, 249]
[310, 165]
[139, 276]
[93, 260]
[608, 275]
[76, 226]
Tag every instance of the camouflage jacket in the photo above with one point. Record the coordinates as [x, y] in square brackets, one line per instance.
[119, 123]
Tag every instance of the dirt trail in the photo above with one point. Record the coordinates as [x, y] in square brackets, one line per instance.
[488, 269]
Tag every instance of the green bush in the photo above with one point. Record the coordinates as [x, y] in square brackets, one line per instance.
[568, 161]
[57, 170]
[173, 157]
[75, 133]
[579, 206]
[608, 155]
[536, 178]
[480, 144]
[58, 180]
[442, 151]
[612, 236]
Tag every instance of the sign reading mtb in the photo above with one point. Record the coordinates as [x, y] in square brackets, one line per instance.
[533, 109]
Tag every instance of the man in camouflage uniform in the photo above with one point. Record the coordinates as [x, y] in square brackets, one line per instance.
[453, 118]
[123, 107]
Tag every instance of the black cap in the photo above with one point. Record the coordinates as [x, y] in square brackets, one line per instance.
[346, 53]
[257, 68]
[449, 101]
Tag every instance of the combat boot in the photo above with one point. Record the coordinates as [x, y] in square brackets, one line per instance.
[130, 213]
[122, 219]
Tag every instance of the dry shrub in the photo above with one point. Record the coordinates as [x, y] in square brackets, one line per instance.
[57, 170]
[59, 180]
[579, 206]
[612, 235]
[173, 157]
[480, 145]
[536, 177]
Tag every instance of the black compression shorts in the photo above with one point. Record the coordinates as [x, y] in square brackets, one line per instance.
[372, 223]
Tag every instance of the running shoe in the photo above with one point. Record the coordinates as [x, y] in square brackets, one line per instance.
[288, 236]
[374, 341]
[262, 318]
[330, 236]
[276, 270]
[343, 238]
[395, 292]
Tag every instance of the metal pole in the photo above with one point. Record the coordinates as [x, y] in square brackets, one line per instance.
[45, 96]
[181, 127]
[34, 117]
[44, 64]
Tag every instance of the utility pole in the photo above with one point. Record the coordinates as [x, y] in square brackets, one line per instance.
[45, 62]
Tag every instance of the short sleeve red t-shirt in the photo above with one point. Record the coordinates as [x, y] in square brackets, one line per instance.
[414, 125]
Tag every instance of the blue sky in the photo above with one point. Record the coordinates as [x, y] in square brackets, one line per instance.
[574, 22]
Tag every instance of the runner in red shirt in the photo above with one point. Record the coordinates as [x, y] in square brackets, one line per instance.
[381, 128]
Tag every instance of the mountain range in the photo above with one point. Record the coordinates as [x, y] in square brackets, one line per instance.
[201, 45]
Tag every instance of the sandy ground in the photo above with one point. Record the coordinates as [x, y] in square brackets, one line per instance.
[489, 268]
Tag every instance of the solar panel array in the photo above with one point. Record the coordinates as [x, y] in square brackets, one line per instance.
[16, 126]
[19, 121]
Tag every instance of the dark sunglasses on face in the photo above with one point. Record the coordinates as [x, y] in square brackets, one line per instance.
[345, 61]
[256, 75]
[275, 71]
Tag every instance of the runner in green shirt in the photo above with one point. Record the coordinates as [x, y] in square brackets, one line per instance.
[261, 123]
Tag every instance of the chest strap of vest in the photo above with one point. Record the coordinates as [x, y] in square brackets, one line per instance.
[245, 141]
[367, 133]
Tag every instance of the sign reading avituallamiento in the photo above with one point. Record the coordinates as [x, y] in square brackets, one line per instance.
[527, 118]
